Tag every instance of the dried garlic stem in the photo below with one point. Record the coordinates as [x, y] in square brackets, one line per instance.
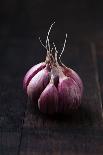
[63, 48]
[42, 43]
[47, 40]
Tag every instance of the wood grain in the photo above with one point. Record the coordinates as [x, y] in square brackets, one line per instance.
[99, 50]
[9, 143]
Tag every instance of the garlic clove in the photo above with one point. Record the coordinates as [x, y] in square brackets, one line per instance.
[48, 101]
[32, 72]
[69, 95]
[38, 84]
[72, 74]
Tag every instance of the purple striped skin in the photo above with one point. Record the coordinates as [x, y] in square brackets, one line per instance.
[37, 84]
[48, 101]
[69, 95]
[61, 96]
[72, 74]
[32, 72]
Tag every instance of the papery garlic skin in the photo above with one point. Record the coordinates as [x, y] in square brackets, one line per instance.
[48, 100]
[72, 74]
[69, 95]
[32, 72]
[38, 84]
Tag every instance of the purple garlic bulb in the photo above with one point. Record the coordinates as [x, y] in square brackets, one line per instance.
[53, 86]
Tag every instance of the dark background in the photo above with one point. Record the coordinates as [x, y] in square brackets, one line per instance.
[21, 23]
[30, 19]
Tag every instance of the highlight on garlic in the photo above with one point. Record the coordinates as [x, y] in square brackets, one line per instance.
[53, 86]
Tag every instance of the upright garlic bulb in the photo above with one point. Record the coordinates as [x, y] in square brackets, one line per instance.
[53, 86]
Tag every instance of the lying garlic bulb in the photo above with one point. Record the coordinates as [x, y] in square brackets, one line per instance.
[53, 86]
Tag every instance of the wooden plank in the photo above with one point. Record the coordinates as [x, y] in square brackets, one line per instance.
[11, 115]
[62, 142]
[9, 143]
[99, 52]
[12, 102]
[78, 133]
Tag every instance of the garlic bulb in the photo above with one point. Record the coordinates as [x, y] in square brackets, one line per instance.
[53, 86]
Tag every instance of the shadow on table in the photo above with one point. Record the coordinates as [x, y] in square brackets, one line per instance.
[83, 115]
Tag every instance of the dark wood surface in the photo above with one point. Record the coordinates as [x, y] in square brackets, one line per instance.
[54, 135]
[23, 129]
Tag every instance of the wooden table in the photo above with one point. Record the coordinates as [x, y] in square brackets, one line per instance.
[24, 130]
